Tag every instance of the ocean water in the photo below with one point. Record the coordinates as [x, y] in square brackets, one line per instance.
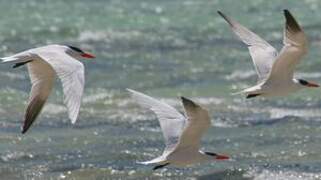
[165, 49]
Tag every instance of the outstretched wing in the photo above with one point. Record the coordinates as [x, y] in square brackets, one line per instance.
[171, 121]
[198, 121]
[295, 46]
[262, 53]
[71, 73]
[42, 77]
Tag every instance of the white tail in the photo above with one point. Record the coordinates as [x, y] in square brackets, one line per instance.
[9, 59]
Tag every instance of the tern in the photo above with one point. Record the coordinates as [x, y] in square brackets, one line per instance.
[43, 63]
[275, 71]
[182, 133]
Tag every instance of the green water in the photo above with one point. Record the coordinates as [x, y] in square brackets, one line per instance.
[165, 49]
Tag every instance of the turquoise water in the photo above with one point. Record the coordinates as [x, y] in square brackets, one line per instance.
[165, 49]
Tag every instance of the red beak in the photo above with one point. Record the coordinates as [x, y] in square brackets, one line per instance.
[87, 55]
[221, 157]
[312, 85]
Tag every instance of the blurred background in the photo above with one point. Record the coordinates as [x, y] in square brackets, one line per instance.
[165, 49]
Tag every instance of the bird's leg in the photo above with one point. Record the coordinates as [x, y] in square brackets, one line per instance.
[160, 166]
[20, 64]
[252, 95]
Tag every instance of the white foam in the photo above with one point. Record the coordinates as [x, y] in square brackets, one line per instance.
[51, 108]
[15, 156]
[281, 175]
[108, 35]
[282, 112]
[313, 75]
[13, 76]
[240, 75]
[95, 97]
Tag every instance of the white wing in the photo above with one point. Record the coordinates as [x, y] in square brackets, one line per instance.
[262, 53]
[197, 124]
[171, 121]
[18, 58]
[42, 77]
[71, 73]
[295, 46]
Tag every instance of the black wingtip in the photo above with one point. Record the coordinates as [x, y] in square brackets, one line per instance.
[188, 102]
[291, 23]
[227, 19]
[221, 14]
[24, 130]
[287, 13]
[184, 99]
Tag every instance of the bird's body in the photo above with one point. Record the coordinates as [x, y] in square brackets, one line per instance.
[273, 88]
[182, 133]
[275, 70]
[43, 64]
[179, 157]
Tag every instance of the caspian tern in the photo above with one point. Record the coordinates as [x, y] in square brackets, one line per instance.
[182, 133]
[275, 71]
[43, 63]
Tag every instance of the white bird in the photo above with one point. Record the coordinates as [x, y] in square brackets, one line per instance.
[182, 133]
[275, 71]
[43, 63]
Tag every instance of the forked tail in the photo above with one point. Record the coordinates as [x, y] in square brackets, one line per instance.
[16, 60]
[9, 59]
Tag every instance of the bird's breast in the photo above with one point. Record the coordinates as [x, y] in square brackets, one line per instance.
[279, 88]
[184, 157]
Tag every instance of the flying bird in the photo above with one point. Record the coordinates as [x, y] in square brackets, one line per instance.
[182, 133]
[275, 70]
[43, 63]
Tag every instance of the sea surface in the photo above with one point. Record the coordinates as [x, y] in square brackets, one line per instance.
[166, 49]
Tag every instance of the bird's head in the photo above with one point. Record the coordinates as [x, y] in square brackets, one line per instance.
[305, 83]
[217, 156]
[77, 52]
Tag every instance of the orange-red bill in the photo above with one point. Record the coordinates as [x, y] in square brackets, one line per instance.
[87, 55]
[221, 157]
[313, 85]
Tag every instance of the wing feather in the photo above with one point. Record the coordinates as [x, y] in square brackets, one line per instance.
[42, 77]
[262, 53]
[295, 47]
[71, 73]
[171, 121]
[198, 121]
